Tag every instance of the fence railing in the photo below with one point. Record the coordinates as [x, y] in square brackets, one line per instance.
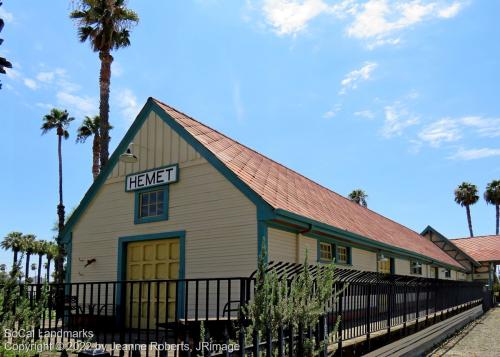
[185, 312]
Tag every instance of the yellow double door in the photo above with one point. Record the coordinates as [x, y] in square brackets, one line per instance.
[149, 265]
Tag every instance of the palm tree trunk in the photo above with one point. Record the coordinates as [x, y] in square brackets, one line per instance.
[498, 217]
[95, 155]
[469, 220]
[39, 277]
[104, 83]
[27, 268]
[60, 212]
[48, 269]
[15, 259]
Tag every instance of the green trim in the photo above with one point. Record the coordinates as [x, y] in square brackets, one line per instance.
[153, 169]
[299, 220]
[122, 260]
[431, 230]
[163, 217]
[264, 210]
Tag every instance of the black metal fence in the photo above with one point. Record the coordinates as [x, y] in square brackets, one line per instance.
[178, 314]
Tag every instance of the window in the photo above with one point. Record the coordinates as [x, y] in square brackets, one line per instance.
[343, 255]
[416, 267]
[325, 252]
[447, 273]
[385, 265]
[151, 205]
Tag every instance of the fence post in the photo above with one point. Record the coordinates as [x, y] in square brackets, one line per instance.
[290, 341]
[418, 311]
[323, 334]
[243, 302]
[340, 316]
[368, 314]
[427, 304]
[300, 341]
[256, 342]
[405, 307]
[389, 310]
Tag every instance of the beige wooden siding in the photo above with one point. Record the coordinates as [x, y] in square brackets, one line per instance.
[364, 259]
[288, 247]
[220, 222]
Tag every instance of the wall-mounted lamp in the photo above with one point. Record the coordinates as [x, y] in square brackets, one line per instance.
[127, 156]
[382, 257]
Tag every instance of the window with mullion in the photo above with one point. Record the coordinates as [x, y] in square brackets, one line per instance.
[151, 205]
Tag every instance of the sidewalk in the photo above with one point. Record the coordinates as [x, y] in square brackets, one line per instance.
[479, 338]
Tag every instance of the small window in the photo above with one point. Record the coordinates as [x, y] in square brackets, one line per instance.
[151, 205]
[416, 267]
[343, 255]
[325, 252]
[385, 265]
[447, 273]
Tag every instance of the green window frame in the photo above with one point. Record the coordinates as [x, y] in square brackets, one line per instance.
[328, 252]
[151, 205]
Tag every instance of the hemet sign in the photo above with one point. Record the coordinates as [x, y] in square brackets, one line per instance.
[151, 178]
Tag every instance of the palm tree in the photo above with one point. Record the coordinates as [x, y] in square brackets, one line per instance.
[492, 196]
[466, 195]
[59, 120]
[359, 196]
[27, 246]
[13, 241]
[40, 248]
[89, 127]
[106, 24]
[51, 252]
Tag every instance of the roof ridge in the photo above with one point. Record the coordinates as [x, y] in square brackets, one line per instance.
[287, 168]
[475, 237]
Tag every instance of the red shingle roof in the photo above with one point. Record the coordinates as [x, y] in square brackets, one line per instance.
[482, 248]
[283, 188]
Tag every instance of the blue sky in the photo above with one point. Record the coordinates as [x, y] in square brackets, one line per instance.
[399, 98]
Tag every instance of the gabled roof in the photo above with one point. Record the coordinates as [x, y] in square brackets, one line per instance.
[447, 245]
[285, 189]
[481, 248]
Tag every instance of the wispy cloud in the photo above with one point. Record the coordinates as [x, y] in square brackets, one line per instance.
[30, 83]
[83, 105]
[452, 129]
[7, 16]
[397, 119]
[443, 130]
[473, 154]
[367, 114]
[353, 78]
[332, 112]
[377, 22]
[289, 17]
[127, 104]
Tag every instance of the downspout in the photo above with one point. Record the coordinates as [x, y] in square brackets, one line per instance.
[297, 242]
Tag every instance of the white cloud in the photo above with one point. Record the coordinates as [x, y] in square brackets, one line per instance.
[332, 112]
[367, 114]
[451, 11]
[443, 130]
[487, 127]
[288, 17]
[7, 16]
[127, 103]
[30, 83]
[377, 22]
[116, 69]
[353, 78]
[84, 105]
[397, 119]
[473, 154]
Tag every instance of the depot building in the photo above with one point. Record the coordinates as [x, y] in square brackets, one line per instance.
[181, 200]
